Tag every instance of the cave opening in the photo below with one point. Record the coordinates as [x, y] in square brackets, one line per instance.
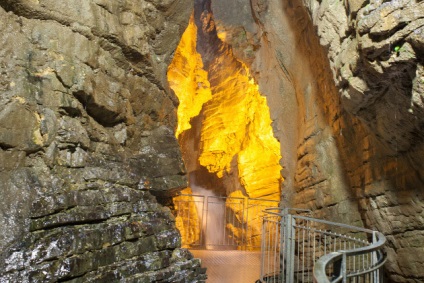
[224, 125]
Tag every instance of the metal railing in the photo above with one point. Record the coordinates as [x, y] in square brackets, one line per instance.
[215, 222]
[188, 219]
[298, 248]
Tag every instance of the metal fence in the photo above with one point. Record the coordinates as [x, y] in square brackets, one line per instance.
[298, 248]
[188, 219]
[214, 222]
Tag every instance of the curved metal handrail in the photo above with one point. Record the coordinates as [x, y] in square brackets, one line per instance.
[319, 271]
[339, 261]
[284, 211]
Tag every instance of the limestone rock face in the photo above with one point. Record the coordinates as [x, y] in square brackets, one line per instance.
[224, 123]
[375, 56]
[86, 131]
[343, 80]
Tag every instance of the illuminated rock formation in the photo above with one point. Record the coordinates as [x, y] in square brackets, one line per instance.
[237, 126]
[235, 140]
[236, 134]
[188, 79]
[344, 81]
[188, 220]
[87, 126]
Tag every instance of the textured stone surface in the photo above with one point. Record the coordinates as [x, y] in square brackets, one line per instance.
[86, 127]
[376, 60]
[343, 81]
[224, 123]
[86, 131]
[237, 146]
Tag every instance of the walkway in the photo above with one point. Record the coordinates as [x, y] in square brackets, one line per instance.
[230, 266]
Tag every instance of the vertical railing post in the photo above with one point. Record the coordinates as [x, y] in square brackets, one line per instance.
[289, 246]
[202, 222]
[374, 260]
[344, 267]
[262, 251]
[244, 224]
[205, 228]
[282, 247]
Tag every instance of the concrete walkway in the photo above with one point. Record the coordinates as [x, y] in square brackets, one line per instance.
[230, 266]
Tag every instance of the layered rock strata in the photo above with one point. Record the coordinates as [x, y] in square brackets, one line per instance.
[343, 81]
[224, 123]
[224, 127]
[86, 134]
[86, 127]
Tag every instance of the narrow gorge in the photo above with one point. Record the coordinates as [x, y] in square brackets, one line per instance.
[109, 109]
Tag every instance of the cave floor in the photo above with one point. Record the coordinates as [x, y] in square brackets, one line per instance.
[229, 266]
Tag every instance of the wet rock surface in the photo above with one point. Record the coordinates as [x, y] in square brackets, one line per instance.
[103, 234]
[86, 133]
[86, 127]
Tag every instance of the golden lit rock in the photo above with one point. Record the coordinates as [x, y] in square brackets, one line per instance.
[232, 137]
[187, 221]
[250, 217]
[188, 79]
[237, 125]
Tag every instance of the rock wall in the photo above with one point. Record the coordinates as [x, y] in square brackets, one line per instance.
[343, 81]
[375, 52]
[86, 134]
[87, 121]
[237, 147]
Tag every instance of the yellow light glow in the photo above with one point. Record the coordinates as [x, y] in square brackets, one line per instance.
[188, 79]
[251, 216]
[236, 121]
[236, 136]
[187, 221]
[237, 124]
[222, 35]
